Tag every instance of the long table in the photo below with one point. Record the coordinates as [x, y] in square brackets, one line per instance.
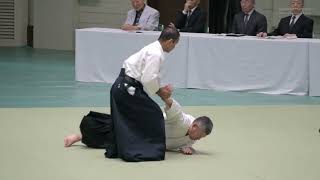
[207, 61]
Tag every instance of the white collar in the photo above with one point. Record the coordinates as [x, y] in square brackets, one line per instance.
[193, 9]
[297, 16]
[250, 12]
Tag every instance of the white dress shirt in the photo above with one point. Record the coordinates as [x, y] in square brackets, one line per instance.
[177, 124]
[144, 66]
[191, 11]
[296, 18]
[249, 15]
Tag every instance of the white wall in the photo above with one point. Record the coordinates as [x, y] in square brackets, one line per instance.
[30, 10]
[21, 16]
[266, 7]
[103, 13]
[54, 23]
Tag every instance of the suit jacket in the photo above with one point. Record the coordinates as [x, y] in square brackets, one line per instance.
[303, 28]
[197, 21]
[149, 19]
[257, 23]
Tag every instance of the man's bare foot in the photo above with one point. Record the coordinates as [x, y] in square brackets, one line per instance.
[71, 139]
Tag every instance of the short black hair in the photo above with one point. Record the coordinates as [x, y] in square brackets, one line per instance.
[205, 123]
[169, 33]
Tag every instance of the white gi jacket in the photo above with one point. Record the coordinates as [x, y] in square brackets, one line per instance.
[149, 18]
[144, 66]
[177, 124]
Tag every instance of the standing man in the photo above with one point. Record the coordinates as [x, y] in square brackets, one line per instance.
[141, 17]
[297, 24]
[139, 132]
[192, 18]
[249, 21]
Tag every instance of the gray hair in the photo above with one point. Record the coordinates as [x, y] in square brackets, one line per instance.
[205, 123]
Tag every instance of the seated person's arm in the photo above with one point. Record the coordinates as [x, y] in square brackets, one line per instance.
[152, 22]
[128, 27]
[308, 31]
[262, 24]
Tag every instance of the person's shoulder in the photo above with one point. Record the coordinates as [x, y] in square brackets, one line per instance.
[258, 14]
[198, 10]
[286, 18]
[239, 14]
[154, 47]
[150, 9]
[306, 18]
[131, 11]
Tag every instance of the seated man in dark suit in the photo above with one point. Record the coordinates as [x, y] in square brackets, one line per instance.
[192, 18]
[296, 24]
[249, 21]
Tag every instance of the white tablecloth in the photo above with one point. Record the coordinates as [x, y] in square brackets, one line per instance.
[248, 64]
[314, 55]
[206, 61]
[101, 52]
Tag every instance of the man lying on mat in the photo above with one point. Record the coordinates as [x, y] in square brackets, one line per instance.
[182, 130]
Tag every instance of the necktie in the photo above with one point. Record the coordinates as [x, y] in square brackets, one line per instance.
[292, 22]
[246, 19]
[188, 18]
[137, 18]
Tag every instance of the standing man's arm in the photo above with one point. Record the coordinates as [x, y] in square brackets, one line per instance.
[151, 78]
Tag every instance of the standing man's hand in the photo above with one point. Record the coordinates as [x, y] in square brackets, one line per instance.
[165, 92]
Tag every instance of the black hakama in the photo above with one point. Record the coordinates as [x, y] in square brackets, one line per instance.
[97, 130]
[139, 131]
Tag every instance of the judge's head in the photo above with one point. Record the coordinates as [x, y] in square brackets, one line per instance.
[137, 4]
[247, 5]
[192, 3]
[200, 128]
[296, 6]
[168, 38]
